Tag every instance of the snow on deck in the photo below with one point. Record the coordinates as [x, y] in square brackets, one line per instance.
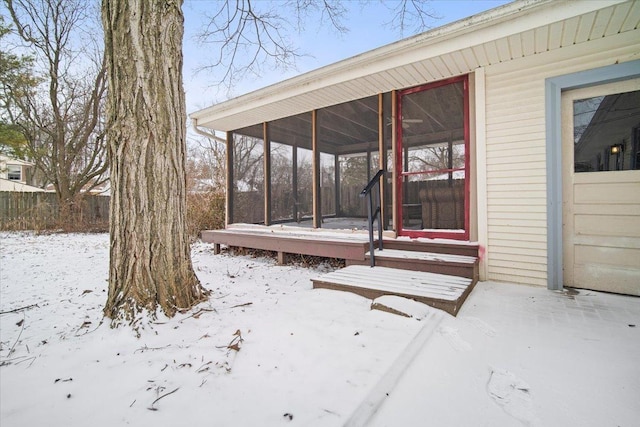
[292, 232]
[401, 282]
[423, 256]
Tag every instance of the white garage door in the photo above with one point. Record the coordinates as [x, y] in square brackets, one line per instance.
[601, 187]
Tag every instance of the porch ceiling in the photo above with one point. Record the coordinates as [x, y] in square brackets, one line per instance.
[519, 29]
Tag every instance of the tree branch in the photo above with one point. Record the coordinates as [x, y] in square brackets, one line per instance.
[15, 310]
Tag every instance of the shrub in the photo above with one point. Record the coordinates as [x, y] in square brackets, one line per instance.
[205, 211]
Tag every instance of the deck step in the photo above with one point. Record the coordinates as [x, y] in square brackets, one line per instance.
[437, 290]
[448, 264]
[423, 256]
[433, 245]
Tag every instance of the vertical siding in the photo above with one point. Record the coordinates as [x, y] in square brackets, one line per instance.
[515, 152]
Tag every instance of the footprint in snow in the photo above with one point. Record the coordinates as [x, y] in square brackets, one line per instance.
[512, 394]
[451, 335]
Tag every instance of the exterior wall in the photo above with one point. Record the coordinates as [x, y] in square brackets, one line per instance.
[516, 198]
[7, 163]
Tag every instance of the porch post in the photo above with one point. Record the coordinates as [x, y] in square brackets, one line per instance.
[317, 206]
[394, 154]
[267, 173]
[229, 159]
[294, 182]
[338, 195]
[382, 158]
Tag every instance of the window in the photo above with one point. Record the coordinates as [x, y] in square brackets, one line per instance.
[606, 132]
[248, 176]
[14, 172]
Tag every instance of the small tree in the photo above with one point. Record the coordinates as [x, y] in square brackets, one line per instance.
[16, 79]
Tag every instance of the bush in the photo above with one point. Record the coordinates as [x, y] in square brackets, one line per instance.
[41, 212]
[205, 211]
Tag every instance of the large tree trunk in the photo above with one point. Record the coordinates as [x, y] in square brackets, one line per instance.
[150, 263]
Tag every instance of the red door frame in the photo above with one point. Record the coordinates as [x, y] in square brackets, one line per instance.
[444, 234]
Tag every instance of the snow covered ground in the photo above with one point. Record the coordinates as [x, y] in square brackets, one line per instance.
[515, 355]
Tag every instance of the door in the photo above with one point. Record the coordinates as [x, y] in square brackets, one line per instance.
[601, 187]
[432, 160]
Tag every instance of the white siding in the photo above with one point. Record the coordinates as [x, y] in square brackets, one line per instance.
[515, 148]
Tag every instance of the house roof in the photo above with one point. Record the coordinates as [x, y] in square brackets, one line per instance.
[518, 29]
[8, 185]
[12, 161]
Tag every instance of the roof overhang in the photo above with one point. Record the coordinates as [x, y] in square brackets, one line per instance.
[7, 185]
[515, 30]
[18, 162]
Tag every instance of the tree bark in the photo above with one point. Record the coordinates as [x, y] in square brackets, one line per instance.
[150, 263]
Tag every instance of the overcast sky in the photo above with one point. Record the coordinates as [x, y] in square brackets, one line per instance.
[322, 45]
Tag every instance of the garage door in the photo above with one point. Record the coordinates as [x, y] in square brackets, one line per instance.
[601, 187]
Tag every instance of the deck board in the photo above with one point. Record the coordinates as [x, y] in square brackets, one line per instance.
[330, 245]
[423, 256]
[437, 290]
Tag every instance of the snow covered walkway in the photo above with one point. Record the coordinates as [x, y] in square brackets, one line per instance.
[525, 356]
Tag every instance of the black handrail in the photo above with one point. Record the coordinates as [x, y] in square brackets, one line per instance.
[373, 214]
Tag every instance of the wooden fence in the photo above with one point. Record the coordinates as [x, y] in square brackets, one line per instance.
[41, 211]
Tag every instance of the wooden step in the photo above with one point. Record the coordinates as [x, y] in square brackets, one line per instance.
[437, 290]
[453, 247]
[424, 256]
[454, 265]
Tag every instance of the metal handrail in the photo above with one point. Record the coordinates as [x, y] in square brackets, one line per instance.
[373, 214]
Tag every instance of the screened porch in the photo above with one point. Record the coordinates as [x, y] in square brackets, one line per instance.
[307, 170]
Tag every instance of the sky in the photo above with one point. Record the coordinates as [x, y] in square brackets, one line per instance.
[321, 45]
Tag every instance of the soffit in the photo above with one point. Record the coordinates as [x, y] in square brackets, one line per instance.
[516, 30]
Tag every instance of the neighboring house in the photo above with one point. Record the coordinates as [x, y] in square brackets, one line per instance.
[8, 185]
[102, 189]
[15, 175]
[15, 169]
[528, 114]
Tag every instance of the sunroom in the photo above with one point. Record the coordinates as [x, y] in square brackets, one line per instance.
[309, 169]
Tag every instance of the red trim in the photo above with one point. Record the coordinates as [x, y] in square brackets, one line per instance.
[434, 171]
[452, 234]
[467, 160]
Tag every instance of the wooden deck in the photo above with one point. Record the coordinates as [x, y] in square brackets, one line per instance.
[445, 292]
[322, 244]
[438, 273]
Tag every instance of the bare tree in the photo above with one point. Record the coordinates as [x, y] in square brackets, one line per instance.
[440, 157]
[150, 266]
[150, 263]
[246, 35]
[248, 157]
[206, 165]
[62, 118]
[411, 16]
